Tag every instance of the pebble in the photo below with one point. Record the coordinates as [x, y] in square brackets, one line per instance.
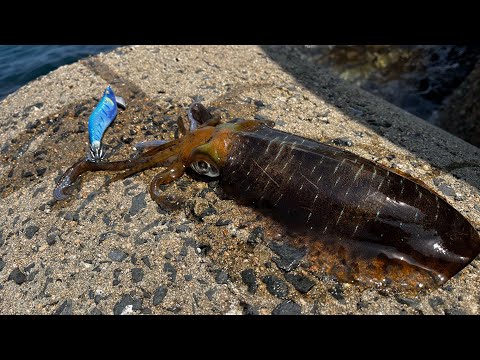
[223, 222]
[258, 103]
[159, 295]
[31, 230]
[342, 142]
[64, 309]
[435, 301]
[249, 278]
[455, 311]
[40, 171]
[209, 294]
[188, 277]
[221, 277]
[116, 277]
[171, 271]
[133, 259]
[182, 228]
[289, 256]
[2, 264]
[95, 311]
[138, 203]
[300, 283]
[276, 286]
[17, 276]
[126, 303]
[71, 216]
[447, 190]
[137, 275]
[117, 255]
[407, 301]
[27, 173]
[249, 309]
[52, 236]
[337, 293]
[287, 308]
[146, 261]
[256, 234]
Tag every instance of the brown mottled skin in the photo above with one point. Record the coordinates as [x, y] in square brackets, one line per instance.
[358, 220]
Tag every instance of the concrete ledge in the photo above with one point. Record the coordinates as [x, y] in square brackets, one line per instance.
[109, 250]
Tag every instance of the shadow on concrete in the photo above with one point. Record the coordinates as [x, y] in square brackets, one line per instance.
[294, 60]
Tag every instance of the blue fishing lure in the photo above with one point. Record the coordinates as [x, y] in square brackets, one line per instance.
[101, 117]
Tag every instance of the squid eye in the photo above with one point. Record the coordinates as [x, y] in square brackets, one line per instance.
[204, 168]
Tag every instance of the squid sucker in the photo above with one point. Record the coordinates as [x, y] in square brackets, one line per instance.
[358, 221]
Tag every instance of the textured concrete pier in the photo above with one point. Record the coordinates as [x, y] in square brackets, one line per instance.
[111, 250]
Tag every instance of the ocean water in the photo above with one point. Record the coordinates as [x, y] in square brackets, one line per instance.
[20, 64]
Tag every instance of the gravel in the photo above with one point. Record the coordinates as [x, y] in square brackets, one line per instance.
[30, 231]
[117, 255]
[137, 275]
[159, 295]
[17, 276]
[300, 283]
[249, 278]
[288, 256]
[276, 286]
[64, 309]
[287, 308]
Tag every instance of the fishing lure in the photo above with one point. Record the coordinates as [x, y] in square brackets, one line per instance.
[358, 220]
[100, 119]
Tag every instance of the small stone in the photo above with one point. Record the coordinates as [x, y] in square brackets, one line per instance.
[300, 282]
[64, 309]
[95, 311]
[71, 216]
[138, 203]
[249, 309]
[455, 311]
[407, 301]
[2, 264]
[126, 305]
[168, 255]
[337, 293]
[255, 235]
[287, 308]
[146, 261]
[133, 259]
[137, 275]
[249, 278]
[171, 271]
[258, 103]
[435, 301]
[40, 171]
[260, 117]
[117, 255]
[52, 238]
[182, 228]
[209, 294]
[446, 190]
[159, 295]
[276, 286]
[289, 256]
[17, 276]
[223, 222]
[146, 311]
[342, 142]
[31, 230]
[438, 181]
[140, 241]
[27, 174]
[188, 277]
[221, 277]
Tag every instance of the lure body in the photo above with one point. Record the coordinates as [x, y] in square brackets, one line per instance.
[100, 119]
[358, 220]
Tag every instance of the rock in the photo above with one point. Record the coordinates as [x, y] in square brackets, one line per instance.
[435, 301]
[287, 308]
[159, 295]
[342, 142]
[455, 311]
[116, 277]
[146, 311]
[209, 294]
[223, 222]
[17, 276]
[2, 264]
[276, 286]
[146, 261]
[182, 228]
[171, 271]
[64, 309]
[188, 277]
[137, 275]
[259, 103]
[52, 238]
[27, 174]
[133, 259]
[126, 305]
[30, 231]
[40, 171]
[257, 234]
[337, 293]
[95, 311]
[407, 301]
[289, 256]
[249, 309]
[71, 216]
[446, 190]
[221, 277]
[300, 283]
[138, 203]
[249, 278]
[117, 255]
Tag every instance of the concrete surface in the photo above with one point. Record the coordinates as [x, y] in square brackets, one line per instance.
[111, 250]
